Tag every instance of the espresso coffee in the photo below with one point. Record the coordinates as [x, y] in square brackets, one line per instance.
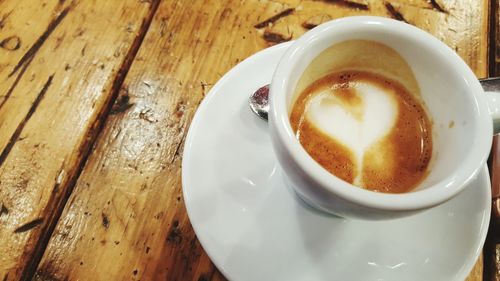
[366, 129]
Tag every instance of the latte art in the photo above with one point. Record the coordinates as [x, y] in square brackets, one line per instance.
[366, 129]
[356, 116]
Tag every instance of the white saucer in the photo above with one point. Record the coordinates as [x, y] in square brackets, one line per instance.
[254, 228]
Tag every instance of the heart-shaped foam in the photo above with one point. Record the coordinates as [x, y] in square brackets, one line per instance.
[356, 125]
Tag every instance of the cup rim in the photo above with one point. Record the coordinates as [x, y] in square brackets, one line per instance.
[420, 199]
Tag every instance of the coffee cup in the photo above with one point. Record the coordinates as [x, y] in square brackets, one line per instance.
[460, 111]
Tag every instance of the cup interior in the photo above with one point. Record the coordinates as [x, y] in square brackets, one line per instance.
[461, 125]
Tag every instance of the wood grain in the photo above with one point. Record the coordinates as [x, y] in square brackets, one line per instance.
[18, 49]
[125, 218]
[57, 80]
[494, 45]
[463, 25]
[126, 214]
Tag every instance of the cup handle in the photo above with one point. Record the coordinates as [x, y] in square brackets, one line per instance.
[491, 87]
[493, 99]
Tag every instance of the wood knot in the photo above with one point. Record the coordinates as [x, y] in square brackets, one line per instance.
[11, 43]
[105, 220]
[175, 235]
[122, 104]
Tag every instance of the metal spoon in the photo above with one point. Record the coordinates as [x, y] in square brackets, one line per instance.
[259, 100]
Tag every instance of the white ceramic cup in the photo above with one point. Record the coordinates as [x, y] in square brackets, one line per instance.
[449, 89]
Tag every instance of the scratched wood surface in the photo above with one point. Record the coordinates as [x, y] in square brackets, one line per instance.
[95, 102]
[56, 81]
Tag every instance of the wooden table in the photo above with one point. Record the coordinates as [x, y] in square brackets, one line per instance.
[96, 98]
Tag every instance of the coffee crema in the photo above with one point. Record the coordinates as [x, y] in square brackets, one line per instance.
[366, 129]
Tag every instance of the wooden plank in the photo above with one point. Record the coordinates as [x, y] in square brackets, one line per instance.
[495, 38]
[463, 25]
[492, 244]
[21, 35]
[126, 217]
[57, 79]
